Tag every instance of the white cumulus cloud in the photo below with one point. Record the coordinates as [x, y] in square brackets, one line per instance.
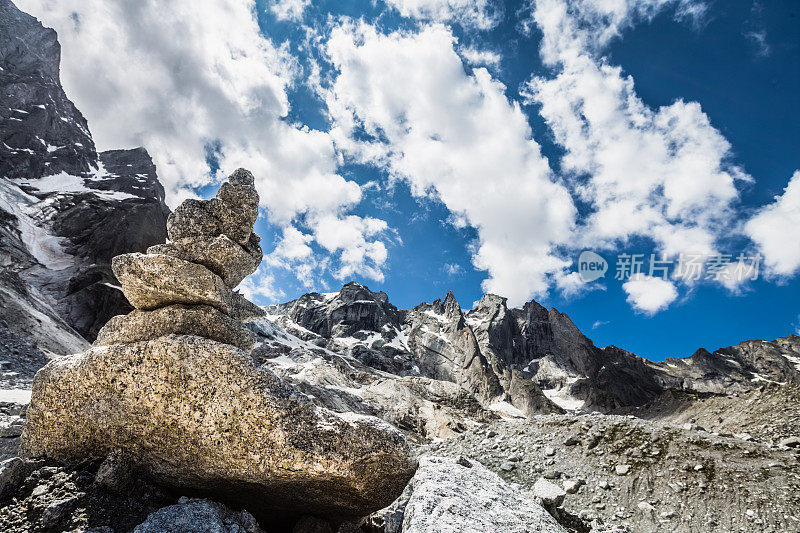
[185, 77]
[649, 294]
[454, 136]
[665, 174]
[659, 173]
[776, 230]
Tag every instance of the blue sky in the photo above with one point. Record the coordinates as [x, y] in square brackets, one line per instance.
[748, 89]
[432, 145]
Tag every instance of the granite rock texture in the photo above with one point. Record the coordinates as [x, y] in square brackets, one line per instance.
[179, 319]
[198, 415]
[229, 260]
[232, 212]
[150, 281]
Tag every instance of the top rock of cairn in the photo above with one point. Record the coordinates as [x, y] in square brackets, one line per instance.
[218, 233]
[232, 212]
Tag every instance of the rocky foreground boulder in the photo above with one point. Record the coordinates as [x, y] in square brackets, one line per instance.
[198, 415]
[172, 385]
[195, 516]
[462, 496]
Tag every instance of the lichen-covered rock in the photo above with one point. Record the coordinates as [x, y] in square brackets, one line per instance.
[232, 212]
[150, 281]
[198, 516]
[449, 496]
[229, 260]
[200, 320]
[198, 415]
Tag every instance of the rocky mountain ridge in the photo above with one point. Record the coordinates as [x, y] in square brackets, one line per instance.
[65, 209]
[531, 357]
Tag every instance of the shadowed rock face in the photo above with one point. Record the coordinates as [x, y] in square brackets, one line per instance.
[196, 516]
[33, 105]
[88, 206]
[355, 308]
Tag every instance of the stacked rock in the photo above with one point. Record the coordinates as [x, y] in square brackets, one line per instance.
[185, 287]
[172, 386]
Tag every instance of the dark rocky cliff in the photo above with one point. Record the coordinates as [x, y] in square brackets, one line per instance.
[65, 209]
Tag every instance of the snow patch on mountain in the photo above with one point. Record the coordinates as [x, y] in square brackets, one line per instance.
[63, 183]
[44, 247]
[506, 409]
[563, 399]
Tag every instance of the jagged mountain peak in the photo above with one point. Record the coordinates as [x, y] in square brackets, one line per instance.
[35, 49]
[538, 345]
[448, 308]
[42, 132]
[490, 301]
[353, 291]
[66, 209]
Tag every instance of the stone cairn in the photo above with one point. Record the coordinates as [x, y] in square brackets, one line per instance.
[185, 287]
[172, 386]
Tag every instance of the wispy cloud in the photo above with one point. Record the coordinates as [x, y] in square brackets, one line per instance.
[480, 57]
[288, 10]
[756, 31]
[759, 40]
[663, 173]
[478, 14]
[453, 270]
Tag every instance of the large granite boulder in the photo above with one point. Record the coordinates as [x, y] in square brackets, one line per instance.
[196, 414]
[462, 496]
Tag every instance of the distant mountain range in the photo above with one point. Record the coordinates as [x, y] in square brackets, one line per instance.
[535, 358]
